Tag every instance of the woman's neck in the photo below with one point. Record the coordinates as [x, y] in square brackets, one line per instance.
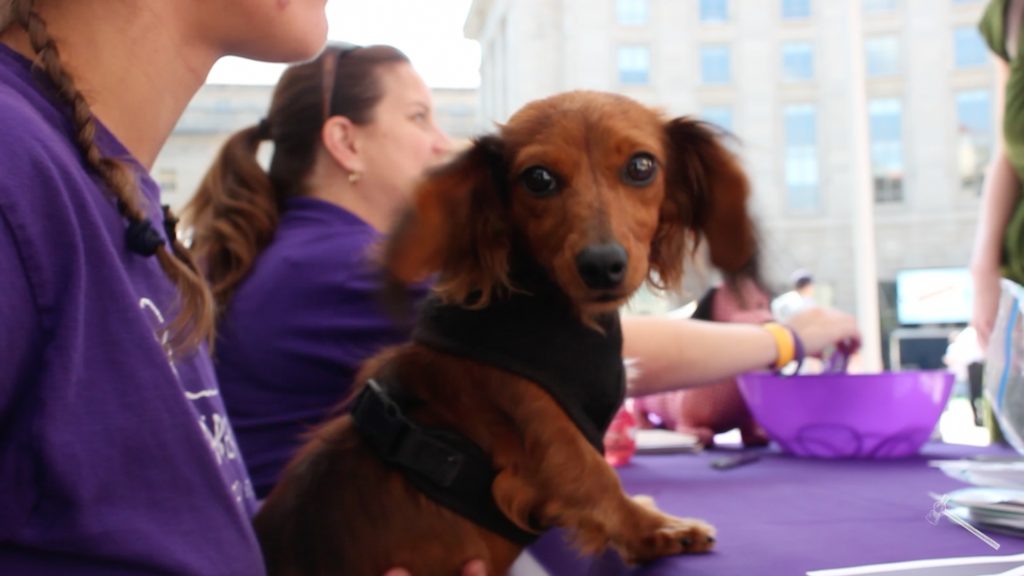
[132, 64]
[356, 201]
[330, 183]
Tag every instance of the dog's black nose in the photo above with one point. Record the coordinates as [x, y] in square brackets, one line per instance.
[602, 266]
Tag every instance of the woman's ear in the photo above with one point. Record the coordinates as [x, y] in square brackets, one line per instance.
[340, 137]
[456, 227]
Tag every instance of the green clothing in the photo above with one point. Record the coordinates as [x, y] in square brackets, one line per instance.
[993, 30]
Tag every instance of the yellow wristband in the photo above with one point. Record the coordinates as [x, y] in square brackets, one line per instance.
[784, 345]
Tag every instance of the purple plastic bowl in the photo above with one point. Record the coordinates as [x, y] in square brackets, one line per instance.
[887, 415]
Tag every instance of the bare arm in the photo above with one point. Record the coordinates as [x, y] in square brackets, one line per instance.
[672, 353]
[999, 196]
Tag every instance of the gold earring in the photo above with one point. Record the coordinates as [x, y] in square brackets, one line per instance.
[354, 177]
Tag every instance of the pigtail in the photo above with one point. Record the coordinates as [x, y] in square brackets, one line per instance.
[234, 213]
[193, 321]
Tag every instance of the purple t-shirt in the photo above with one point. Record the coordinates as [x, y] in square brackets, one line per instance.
[297, 330]
[116, 456]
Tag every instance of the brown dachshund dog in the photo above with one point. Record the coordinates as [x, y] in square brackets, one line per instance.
[485, 430]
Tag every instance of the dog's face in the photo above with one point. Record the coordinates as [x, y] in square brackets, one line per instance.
[586, 182]
[601, 191]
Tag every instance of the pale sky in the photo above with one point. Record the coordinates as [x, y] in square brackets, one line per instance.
[428, 31]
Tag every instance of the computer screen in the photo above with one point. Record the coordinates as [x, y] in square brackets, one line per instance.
[933, 296]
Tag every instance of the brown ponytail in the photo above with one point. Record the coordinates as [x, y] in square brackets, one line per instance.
[233, 214]
[235, 211]
[193, 320]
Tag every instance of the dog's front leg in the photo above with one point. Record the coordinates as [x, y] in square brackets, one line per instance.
[560, 480]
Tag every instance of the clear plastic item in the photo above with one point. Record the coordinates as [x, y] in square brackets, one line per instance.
[620, 439]
[1004, 365]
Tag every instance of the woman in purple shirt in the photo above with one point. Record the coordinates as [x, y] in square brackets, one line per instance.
[288, 250]
[116, 456]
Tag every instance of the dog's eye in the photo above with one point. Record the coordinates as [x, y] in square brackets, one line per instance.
[539, 181]
[640, 169]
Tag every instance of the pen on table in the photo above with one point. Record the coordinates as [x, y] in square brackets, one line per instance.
[736, 461]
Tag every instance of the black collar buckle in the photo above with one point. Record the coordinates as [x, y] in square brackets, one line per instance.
[399, 441]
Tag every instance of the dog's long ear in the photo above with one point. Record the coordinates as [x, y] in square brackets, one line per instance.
[456, 227]
[706, 194]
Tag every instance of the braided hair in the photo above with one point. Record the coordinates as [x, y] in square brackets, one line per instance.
[193, 321]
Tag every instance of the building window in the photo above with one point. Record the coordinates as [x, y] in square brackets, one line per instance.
[801, 157]
[876, 6]
[797, 61]
[634, 65]
[714, 10]
[796, 9]
[882, 56]
[715, 67]
[631, 12]
[968, 47]
[974, 137]
[886, 133]
[720, 116]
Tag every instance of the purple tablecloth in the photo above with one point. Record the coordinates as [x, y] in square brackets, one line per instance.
[784, 515]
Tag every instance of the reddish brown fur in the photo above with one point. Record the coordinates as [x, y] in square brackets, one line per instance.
[338, 510]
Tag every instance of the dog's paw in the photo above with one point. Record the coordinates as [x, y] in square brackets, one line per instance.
[676, 536]
[693, 535]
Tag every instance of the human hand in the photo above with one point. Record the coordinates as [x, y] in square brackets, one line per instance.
[820, 328]
[986, 304]
[471, 568]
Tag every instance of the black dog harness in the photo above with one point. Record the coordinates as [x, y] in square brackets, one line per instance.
[542, 340]
[535, 335]
[446, 466]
